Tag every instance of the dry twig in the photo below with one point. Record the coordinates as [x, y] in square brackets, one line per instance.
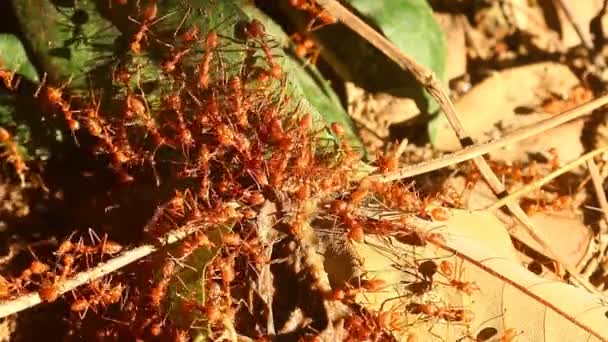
[548, 178]
[575, 24]
[483, 148]
[102, 269]
[599, 190]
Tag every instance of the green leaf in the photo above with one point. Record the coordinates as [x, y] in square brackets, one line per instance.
[322, 98]
[8, 104]
[68, 41]
[14, 58]
[410, 25]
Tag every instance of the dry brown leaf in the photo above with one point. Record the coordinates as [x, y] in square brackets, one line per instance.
[495, 101]
[510, 296]
[565, 139]
[564, 230]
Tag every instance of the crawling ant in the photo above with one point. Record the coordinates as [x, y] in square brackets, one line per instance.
[315, 11]
[174, 103]
[81, 306]
[236, 98]
[140, 108]
[149, 14]
[187, 39]
[92, 121]
[487, 333]
[305, 47]
[190, 35]
[54, 97]
[5, 288]
[12, 154]
[103, 245]
[389, 320]
[158, 292]
[105, 294]
[8, 78]
[170, 65]
[533, 206]
[386, 163]
[357, 196]
[199, 239]
[455, 280]
[68, 263]
[373, 285]
[337, 129]
[355, 229]
[48, 292]
[211, 41]
[448, 314]
[36, 268]
[148, 19]
[256, 30]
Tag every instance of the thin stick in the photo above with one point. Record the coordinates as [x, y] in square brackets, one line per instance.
[599, 191]
[428, 79]
[577, 28]
[483, 148]
[33, 299]
[548, 178]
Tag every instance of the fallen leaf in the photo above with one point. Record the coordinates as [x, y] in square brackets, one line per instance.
[509, 296]
[495, 101]
[565, 139]
[564, 230]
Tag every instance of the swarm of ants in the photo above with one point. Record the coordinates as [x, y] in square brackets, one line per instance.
[230, 141]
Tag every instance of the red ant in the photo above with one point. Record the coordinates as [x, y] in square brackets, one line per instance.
[211, 41]
[92, 121]
[455, 280]
[387, 162]
[187, 39]
[148, 17]
[13, 155]
[190, 35]
[157, 293]
[36, 268]
[256, 30]
[104, 293]
[236, 98]
[54, 97]
[448, 314]
[7, 78]
[48, 291]
[81, 306]
[174, 103]
[361, 192]
[305, 46]
[315, 11]
[170, 64]
[141, 109]
[199, 239]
